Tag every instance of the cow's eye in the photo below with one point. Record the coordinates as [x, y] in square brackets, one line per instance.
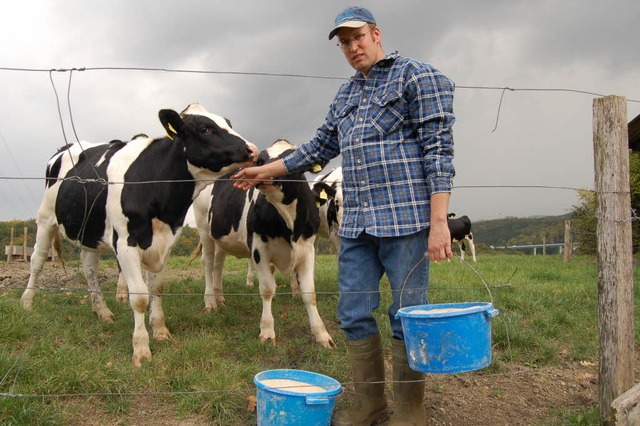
[205, 130]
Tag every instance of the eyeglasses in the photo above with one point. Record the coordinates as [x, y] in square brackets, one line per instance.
[357, 39]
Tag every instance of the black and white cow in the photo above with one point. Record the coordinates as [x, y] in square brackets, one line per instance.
[132, 198]
[460, 229]
[327, 189]
[274, 226]
[328, 193]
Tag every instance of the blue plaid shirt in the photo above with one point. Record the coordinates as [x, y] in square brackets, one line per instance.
[394, 131]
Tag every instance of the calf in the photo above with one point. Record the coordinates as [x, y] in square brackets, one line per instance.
[328, 194]
[327, 190]
[132, 198]
[275, 226]
[460, 229]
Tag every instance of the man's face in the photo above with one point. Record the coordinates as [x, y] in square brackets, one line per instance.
[361, 47]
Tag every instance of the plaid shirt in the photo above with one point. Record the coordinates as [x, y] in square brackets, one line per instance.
[394, 131]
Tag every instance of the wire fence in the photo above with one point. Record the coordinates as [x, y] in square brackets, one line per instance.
[13, 373]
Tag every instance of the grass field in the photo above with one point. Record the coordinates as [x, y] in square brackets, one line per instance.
[60, 359]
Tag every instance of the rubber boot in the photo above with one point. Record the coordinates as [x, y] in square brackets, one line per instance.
[408, 389]
[367, 366]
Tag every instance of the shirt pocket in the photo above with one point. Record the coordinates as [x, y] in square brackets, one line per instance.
[388, 111]
[345, 117]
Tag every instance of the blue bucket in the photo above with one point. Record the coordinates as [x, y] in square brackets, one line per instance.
[448, 337]
[283, 403]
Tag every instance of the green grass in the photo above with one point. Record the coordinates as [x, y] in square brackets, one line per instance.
[548, 317]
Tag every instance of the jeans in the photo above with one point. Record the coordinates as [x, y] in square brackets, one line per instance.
[362, 262]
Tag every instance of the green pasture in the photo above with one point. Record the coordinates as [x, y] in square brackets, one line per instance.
[58, 357]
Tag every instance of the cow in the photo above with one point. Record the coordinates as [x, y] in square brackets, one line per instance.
[328, 194]
[275, 225]
[132, 198]
[460, 229]
[327, 189]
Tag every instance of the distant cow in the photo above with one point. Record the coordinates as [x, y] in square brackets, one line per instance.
[328, 193]
[460, 229]
[275, 225]
[132, 198]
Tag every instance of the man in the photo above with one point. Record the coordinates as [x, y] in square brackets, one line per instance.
[392, 123]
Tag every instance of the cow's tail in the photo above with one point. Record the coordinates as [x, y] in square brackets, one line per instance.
[195, 253]
[57, 246]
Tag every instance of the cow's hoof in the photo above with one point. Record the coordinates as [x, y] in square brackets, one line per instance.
[107, 317]
[328, 343]
[139, 355]
[162, 334]
[265, 339]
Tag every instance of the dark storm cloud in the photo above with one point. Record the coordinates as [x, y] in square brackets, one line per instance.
[579, 44]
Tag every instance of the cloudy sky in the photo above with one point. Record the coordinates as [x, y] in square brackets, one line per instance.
[269, 68]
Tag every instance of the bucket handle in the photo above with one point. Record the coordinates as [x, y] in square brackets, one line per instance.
[492, 312]
[317, 400]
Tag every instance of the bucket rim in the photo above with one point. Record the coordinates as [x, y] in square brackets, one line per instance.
[464, 308]
[332, 386]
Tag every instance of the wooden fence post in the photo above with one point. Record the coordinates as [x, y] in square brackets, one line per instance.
[615, 277]
[10, 255]
[24, 244]
[568, 243]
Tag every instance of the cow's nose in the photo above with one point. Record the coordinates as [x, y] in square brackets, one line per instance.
[253, 151]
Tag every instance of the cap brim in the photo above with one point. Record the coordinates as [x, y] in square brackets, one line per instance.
[350, 24]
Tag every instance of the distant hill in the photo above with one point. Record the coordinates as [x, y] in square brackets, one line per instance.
[519, 231]
[498, 232]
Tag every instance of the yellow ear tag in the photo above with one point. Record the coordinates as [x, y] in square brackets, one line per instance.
[318, 204]
[323, 195]
[172, 129]
[316, 168]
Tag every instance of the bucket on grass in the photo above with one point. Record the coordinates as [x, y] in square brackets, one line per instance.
[295, 397]
[448, 337]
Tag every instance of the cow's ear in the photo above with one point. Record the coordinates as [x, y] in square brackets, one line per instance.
[171, 122]
[318, 167]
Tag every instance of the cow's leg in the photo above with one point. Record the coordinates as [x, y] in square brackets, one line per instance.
[213, 260]
[304, 271]
[267, 286]
[121, 289]
[129, 260]
[155, 282]
[295, 285]
[44, 235]
[250, 273]
[472, 246]
[461, 245]
[90, 264]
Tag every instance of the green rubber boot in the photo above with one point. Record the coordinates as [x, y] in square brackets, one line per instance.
[367, 369]
[408, 389]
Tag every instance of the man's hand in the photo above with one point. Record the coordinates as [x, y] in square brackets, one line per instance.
[251, 176]
[439, 242]
[439, 236]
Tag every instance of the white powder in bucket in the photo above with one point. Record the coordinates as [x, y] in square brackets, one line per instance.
[292, 385]
[437, 311]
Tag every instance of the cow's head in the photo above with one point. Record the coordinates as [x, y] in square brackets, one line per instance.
[328, 196]
[323, 193]
[208, 139]
[276, 189]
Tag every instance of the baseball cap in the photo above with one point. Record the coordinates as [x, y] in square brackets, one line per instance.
[352, 17]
